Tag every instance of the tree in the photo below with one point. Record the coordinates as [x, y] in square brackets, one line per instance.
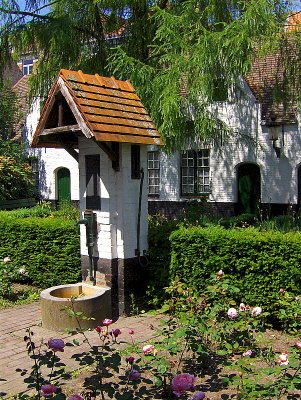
[178, 54]
[16, 178]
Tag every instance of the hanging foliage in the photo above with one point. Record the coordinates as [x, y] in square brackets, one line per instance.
[179, 55]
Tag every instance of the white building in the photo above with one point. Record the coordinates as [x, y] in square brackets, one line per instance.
[256, 169]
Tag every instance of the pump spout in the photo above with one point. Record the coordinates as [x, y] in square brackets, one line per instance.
[81, 221]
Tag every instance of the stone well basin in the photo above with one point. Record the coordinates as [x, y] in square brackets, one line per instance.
[93, 301]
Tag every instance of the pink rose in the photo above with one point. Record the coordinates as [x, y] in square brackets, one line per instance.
[22, 271]
[56, 344]
[242, 307]
[107, 322]
[247, 353]
[76, 397]
[232, 313]
[298, 345]
[297, 298]
[148, 349]
[48, 390]
[181, 383]
[283, 359]
[131, 332]
[98, 329]
[281, 290]
[6, 260]
[116, 332]
[256, 311]
[198, 396]
[134, 375]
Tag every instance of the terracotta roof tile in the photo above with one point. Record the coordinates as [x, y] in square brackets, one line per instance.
[294, 22]
[21, 88]
[110, 109]
[267, 75]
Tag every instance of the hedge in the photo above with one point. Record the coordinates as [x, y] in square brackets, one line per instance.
[261, 263]
[47, 247]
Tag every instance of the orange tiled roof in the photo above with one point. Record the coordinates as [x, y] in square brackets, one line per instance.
[294, 22]
[21, 88]
[105, 109]
[267, 76]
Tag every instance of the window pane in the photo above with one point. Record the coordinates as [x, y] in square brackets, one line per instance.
[153, 169]
[195, 172]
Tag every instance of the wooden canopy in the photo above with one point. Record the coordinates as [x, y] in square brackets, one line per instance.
[100, 108]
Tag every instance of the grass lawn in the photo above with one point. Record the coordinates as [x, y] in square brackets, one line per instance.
[22, 294]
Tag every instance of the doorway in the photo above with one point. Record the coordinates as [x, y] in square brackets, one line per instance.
[63, 185]
[248, 188]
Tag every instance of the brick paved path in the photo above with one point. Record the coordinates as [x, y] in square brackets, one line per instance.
[13, 324]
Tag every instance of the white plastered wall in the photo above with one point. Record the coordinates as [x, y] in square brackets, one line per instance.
[117, 219]
[249, 143]
[50, 161]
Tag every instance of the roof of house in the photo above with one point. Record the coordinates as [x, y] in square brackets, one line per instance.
[294, 21]
[102, 108]
[265, 78]
[268, 75]
[21, 88]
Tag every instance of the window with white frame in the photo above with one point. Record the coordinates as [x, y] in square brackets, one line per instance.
[27, 67]
[153, 170]
[195, 172]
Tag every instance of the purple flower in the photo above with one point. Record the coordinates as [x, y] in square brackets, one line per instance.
[134, 375]
[76, 397]
[130, 360]
[181, 383]
[198, 396]
[116, 332]
[56, 344]
[247, 353]
[48, 390]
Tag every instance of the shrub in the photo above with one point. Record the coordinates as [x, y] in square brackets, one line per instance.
[16, 179]
[42, 210]
[159, 231]
[48, 248]
[240, 221]
[260, 262]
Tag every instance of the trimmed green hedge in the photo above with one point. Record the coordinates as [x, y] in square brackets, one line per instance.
[47, 247]
[260, 263]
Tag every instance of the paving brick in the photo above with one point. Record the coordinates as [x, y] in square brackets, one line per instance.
[13, 354]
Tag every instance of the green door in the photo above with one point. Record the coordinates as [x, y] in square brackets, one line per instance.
[63, 181]
[248, 186]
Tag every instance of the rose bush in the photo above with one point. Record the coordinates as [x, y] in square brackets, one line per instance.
[8, 274]
[195, 332]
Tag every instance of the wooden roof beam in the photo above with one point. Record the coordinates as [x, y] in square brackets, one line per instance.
[112, 152]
